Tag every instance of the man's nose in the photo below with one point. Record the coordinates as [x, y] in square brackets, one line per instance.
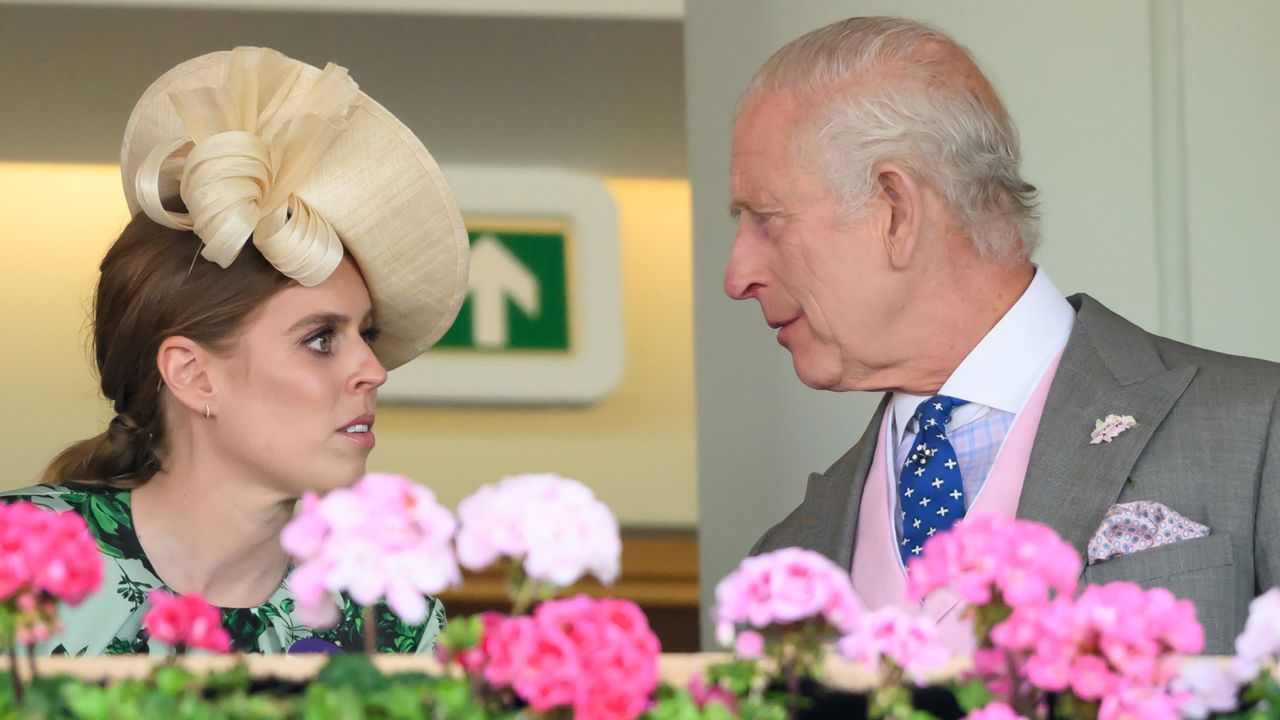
[741, 276]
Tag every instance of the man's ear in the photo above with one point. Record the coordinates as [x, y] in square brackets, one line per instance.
[903, 208]
[184, 367]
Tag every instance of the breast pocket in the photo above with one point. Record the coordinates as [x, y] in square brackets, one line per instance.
[1201, 570]
[1166, 561]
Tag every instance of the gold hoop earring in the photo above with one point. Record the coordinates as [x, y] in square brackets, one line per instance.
[207, 414]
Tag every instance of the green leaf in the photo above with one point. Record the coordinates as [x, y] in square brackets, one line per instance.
[110, 550]
[738, 676]
[463, 633]
[106, 514]
[172, 680]
[269, 611]
[971, 695]
[232, 680]
[762, 709]
[717, 711]
[398, 702]
[351, 671]
[133, 591]
[674, 704]
[87, 702]
[74, 498]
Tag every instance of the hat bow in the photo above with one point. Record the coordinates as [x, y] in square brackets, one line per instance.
[241, 160]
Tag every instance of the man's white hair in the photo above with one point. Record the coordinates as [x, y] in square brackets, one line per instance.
[880, 94]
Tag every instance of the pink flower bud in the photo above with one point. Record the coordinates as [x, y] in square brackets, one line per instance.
[185, 621]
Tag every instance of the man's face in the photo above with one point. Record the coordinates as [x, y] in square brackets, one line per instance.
[822, 280]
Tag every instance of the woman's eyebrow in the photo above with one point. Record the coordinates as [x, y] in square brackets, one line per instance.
[334, 319]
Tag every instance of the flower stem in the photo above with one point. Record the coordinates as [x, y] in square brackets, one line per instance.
[13, 669]
[1023, 700]
[520, 588]
[31, 660]
[793, 691]
[370, 630]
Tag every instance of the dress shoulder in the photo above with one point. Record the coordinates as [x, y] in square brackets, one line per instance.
[49, 497]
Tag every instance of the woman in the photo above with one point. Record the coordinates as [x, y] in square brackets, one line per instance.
[243, 374]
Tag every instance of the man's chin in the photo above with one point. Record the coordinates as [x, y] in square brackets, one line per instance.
[818, 378]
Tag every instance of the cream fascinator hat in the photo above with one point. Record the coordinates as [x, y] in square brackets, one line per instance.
[265, 148]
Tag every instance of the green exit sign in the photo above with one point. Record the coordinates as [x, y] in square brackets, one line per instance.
[517, 295]
[542, 321]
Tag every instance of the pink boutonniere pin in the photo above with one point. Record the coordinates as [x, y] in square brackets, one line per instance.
[1107, 429]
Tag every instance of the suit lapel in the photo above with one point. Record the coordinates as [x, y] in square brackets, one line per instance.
[1109, 366]
[827, 520]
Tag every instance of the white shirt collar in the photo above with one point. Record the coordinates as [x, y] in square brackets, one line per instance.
[1005, 367]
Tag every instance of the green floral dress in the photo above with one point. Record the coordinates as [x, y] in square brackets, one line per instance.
[110, 621]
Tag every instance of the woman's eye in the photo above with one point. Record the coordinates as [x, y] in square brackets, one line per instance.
[321, 343]
[371, 335]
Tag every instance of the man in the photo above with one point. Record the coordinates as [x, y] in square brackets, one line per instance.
[886, 232]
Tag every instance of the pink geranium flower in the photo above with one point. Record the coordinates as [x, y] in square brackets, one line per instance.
[910, 641]
[45, 558]
[1115, 644]
[475, 659]
[385, 538]
[749, 645]
[554, 526]
[994, 711]
[783, 587]
[47, 553]
[185, 621]
[704, 694]
[597, 657]
[985, 555]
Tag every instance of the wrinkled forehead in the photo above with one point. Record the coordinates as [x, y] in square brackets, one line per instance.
[764, 130]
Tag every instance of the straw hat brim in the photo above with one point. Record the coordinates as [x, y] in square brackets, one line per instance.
[378, 187]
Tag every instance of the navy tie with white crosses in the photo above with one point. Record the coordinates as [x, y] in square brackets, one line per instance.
[930, 489]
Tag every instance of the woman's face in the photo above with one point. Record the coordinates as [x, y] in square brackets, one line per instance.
[295, 397]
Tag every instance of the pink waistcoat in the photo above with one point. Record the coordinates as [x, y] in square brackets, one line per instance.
[879, 578]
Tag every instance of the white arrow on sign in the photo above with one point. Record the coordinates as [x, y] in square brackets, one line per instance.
[496, 274]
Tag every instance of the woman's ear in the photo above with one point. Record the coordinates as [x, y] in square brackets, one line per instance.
[184, 367]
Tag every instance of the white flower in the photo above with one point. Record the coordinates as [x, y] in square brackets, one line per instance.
[1210, 686]
[1107, 429]
[554, 525]
[1261, 637]
[385, 538]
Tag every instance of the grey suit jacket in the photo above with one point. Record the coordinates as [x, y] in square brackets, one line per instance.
[1207, 445]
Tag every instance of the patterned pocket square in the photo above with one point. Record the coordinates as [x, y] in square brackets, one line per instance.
[1136, 526]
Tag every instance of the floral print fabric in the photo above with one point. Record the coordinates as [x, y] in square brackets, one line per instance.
[110, 621]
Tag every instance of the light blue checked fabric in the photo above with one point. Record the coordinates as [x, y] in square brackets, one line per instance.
[976, 442]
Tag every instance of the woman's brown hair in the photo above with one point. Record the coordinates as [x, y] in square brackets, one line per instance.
[154, 286]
